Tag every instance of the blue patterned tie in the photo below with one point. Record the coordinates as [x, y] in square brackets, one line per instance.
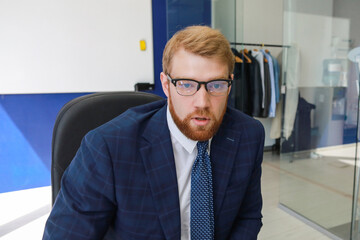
[202, 213]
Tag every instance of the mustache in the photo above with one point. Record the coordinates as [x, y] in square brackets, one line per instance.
[201, 112]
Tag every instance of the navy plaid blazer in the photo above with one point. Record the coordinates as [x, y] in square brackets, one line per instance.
[122, 182]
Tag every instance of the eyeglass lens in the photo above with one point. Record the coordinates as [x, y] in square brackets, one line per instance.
[187, 87]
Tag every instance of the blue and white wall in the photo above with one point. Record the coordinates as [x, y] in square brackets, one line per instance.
[26, 122]
[52, 52]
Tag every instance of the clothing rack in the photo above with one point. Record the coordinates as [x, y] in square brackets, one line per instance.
[260, 45]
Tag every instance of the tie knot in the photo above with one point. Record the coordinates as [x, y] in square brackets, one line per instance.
[202, 146]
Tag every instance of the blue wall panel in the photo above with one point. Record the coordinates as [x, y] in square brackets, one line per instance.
[187, 12]
[159, 40]
[26, 123]
[169, 16]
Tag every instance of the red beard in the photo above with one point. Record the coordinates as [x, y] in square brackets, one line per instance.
[197, 133]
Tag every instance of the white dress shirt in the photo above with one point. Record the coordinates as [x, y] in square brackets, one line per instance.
[185, 152]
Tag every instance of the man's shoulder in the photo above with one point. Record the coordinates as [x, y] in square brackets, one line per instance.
[236, 116]
[236, 119]
[135, 118]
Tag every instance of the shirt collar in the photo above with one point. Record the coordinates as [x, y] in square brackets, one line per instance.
[187, 143]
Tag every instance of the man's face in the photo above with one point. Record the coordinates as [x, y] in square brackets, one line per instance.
[198, 116]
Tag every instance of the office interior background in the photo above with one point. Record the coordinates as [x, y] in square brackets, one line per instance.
[55, 51]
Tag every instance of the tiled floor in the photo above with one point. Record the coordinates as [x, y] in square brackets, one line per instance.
[278, 224]
[23, 213]
[319, 185]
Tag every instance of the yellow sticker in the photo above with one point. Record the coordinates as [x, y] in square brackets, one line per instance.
[142, 45]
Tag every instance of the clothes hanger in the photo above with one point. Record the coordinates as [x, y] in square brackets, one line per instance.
[246, 51]
[262, 46]
[248, 60]
[256, 50]
[238, 60]
[236, 55]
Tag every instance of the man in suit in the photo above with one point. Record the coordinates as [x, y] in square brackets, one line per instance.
[187, 167]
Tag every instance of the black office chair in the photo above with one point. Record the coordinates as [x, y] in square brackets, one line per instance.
[78, 117]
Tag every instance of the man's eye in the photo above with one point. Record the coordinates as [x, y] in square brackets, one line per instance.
[186, 85]
[218, 86]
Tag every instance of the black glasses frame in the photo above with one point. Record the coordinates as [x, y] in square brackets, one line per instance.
[175, 80]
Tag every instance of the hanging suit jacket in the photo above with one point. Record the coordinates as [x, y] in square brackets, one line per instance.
[240, 88]
[123, 180]
[260, 59]
[255, 86]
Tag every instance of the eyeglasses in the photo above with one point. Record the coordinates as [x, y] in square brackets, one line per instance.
[188, 87]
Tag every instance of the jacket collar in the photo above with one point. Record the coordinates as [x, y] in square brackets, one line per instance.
[222, 155]
[158, 159]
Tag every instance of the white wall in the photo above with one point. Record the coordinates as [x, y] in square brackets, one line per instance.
[263, 23]
[74, 45]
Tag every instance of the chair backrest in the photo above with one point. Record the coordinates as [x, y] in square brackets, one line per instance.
[78, 117]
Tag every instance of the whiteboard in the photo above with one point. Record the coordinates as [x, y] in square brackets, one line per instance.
[61, 46]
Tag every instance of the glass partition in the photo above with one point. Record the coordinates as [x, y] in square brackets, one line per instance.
[227, 16]
[319, 127]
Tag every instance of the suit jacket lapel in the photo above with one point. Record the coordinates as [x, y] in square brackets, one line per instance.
[158, 159]
[222, 155]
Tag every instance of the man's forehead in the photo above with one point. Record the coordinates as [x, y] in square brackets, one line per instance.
[181, 72]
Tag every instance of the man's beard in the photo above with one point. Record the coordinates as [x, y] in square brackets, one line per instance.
[197, 133]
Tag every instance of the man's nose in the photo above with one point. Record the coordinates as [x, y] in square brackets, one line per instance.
[202, 98]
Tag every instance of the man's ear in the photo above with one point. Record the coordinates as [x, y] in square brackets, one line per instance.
[165, 83]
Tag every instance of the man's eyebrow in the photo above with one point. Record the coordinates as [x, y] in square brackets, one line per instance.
[215, 78]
